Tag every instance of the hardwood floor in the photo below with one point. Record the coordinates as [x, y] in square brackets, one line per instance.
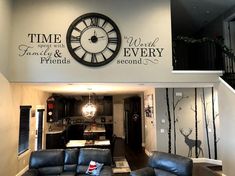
[138, 159]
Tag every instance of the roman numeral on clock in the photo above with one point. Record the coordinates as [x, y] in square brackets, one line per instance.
[113, 40]
[93, 58]
[94, 21]
[76, 39]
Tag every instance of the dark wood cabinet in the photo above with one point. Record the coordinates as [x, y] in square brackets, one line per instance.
[108, 106]
[55, 108]
[69, 107]
[60, 107]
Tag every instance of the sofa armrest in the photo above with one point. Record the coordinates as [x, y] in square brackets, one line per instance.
[31, 172]
[146, 171]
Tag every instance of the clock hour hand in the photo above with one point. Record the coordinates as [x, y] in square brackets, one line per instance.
[94, 38]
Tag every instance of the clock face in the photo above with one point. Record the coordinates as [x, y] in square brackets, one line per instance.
[93, 39]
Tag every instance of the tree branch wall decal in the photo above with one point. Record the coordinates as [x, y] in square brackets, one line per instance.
[169, 120]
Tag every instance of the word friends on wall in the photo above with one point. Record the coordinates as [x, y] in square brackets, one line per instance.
[46, 47]
[137, 51]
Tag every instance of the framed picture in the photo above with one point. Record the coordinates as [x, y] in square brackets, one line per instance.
[148, 105]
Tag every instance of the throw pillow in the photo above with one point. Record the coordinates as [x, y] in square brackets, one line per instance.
[94, 168]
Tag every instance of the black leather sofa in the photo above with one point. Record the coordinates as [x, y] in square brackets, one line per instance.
[165, 164]
[68, 162]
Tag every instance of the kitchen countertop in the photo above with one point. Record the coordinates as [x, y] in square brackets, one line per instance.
[54, 132]
[95, 129]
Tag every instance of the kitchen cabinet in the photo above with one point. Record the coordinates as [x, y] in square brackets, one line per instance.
[108, 106]
[55, 108]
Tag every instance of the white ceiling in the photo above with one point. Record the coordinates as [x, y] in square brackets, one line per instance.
[107, 88]
[188, 16]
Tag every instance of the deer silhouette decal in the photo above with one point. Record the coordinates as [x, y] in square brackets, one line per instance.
[191, 142]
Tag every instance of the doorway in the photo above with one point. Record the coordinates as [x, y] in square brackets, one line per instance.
[39, 129]
[132, 122]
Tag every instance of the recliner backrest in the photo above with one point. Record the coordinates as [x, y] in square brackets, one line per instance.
[47, 161]
[70, 160]
[174, 164]
[94, 154]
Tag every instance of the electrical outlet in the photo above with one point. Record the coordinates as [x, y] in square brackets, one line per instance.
[162, 131]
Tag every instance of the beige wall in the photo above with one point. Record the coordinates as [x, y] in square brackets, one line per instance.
[150, 129]
[227, 114]
[5, 33]
[13, 96]
[8, 131]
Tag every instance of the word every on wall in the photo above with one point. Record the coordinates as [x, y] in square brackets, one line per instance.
[137, 51]
[46, 47]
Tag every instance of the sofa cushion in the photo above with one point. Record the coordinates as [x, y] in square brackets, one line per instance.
[99, 155]
[68, 174]
[106, 171]
[53, 170]
[70, 160]
[81, 169]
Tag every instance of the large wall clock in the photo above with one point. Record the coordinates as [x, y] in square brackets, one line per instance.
[93, 39]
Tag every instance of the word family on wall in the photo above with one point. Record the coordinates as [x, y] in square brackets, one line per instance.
[47, 47]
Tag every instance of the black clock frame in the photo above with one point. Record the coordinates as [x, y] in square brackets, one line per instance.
[90, 16]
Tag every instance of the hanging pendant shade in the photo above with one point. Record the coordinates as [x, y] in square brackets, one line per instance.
[89, 110]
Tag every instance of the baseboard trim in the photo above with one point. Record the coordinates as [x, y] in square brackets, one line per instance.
[23, 171]
[207, 160]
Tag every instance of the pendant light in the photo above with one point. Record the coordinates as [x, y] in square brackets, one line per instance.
[89, 109]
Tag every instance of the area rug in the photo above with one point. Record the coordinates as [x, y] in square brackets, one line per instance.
[121, 166]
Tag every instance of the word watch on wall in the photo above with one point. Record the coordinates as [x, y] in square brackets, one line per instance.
[93, 39]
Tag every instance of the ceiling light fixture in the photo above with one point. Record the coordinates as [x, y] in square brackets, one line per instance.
[89, 109]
